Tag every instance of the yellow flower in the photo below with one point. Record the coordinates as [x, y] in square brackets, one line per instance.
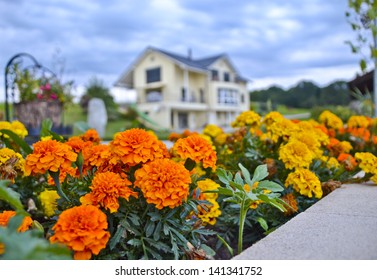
[83, 229]
[330, 120]
[209, 213]
[309, 138]
[221, 138]
[279, 130]
[18, 128]
[248, 118]
[272, 117]
[208, 185]
[136, 146]
[367, 162]
[11, 164]
[163, 182]
[48, 199]
[44, 138]
[305, 182]
[196, 148]
[212, 130]
[357, 122]
[107, 188]
[331, 162]
[295, 154]
[5, 125]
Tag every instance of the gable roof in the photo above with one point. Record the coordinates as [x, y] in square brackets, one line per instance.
[201, 65]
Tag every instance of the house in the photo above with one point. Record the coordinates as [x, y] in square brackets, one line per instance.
[179, 92]
[363, 83]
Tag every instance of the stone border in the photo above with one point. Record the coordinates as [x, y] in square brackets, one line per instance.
[341, 226]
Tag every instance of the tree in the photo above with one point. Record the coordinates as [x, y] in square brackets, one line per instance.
[97, 89]
[363, 19]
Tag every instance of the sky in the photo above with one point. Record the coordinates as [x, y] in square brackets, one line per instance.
[270, 42]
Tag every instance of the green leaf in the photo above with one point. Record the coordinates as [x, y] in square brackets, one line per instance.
[230, 249]
[116, 238]
[246, 174]
[157, 231]
[224, 176]
[209, 251]
[82, 126]
[10, 196]
[190, 164]
[29, 246]
[221, 190]
[263, 223]
[149, 228]
[20, 142]
[277, 205]
[134, 242]
[238, 179]
[260, 173]
[363, 65]
[270, 185]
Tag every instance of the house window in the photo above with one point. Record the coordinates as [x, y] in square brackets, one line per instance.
[242, 98]
[215, 75]
[182, 120]
[153, 75]
[201, 93]
[154, 96]
[227, 96]
[226, 77]
[184, 96]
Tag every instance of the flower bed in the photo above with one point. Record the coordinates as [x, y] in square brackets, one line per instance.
[209, 196]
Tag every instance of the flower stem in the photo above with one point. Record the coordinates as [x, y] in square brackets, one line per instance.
[55, 176]
[243, 213]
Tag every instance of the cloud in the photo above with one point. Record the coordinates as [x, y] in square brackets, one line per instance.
[281, 41]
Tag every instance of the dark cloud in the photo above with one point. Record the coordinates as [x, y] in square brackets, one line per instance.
[266, 40]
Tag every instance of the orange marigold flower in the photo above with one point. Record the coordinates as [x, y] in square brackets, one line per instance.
[97, 156]
[174, 136]
[91, 135]
[198, 149]
[5, 216]
[107, 188]
[136, 146]
[348, 161]
[163, 182]
[292, 202]
[83, 230]
[49, 155]
[77, 144]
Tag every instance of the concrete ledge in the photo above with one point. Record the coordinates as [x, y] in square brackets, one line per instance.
[341, 226]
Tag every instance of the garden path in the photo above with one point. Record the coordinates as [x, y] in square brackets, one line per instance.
[341, 226]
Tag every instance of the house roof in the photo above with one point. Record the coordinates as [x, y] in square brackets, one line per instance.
[362, 83]
[203, 64]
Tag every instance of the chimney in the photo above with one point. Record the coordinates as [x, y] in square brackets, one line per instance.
[189, 54]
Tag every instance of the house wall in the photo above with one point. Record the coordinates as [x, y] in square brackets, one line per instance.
[171, 84]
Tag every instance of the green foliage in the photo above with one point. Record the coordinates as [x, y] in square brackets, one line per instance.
[343, 112]
[304, 95]
[97, 89]
[362, 17]
[29, 245]
[235, 193]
